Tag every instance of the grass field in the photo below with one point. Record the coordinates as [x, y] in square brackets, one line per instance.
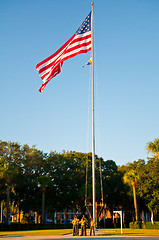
[130, 232]
[105, 232]
[37, 232]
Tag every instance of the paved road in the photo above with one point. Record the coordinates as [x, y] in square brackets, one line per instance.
[70, 237]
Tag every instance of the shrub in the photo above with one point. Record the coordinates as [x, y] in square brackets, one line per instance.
[156, 225]
[147, 225]
[138, 225]
[131, 225]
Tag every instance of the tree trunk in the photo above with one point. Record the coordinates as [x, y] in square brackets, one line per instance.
[152, 218]
[135, 202]
[8, 210]
[43, 204]
[101, 182]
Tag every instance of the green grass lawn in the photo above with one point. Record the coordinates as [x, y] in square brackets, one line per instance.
[38, 232]
[106, 232]
[130, 232]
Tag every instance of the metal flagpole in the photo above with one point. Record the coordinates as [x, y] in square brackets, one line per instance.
[93, 132]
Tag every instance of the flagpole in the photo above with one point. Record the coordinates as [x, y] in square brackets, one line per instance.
[93, 132]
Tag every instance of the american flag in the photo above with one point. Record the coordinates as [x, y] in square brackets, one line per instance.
[80, 42]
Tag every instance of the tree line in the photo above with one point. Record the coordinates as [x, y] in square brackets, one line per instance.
[38, 181]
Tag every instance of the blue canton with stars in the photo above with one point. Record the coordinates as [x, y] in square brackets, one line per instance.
[86, 25]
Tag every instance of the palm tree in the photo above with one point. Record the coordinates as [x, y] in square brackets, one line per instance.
[43, 182]
[9, 165]
[131, 178]
[7, 172]
[153, 148]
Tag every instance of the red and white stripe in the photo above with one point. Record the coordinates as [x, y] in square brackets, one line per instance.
[51, 66]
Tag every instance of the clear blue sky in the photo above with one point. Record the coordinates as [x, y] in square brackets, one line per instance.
[126, 77]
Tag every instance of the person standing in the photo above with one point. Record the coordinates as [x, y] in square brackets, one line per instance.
[92, 225]
[74, 222]
[86, 224]
[83, 227]
[77, 226]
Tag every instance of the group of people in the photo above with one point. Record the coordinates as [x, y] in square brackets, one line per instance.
[83, 223]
